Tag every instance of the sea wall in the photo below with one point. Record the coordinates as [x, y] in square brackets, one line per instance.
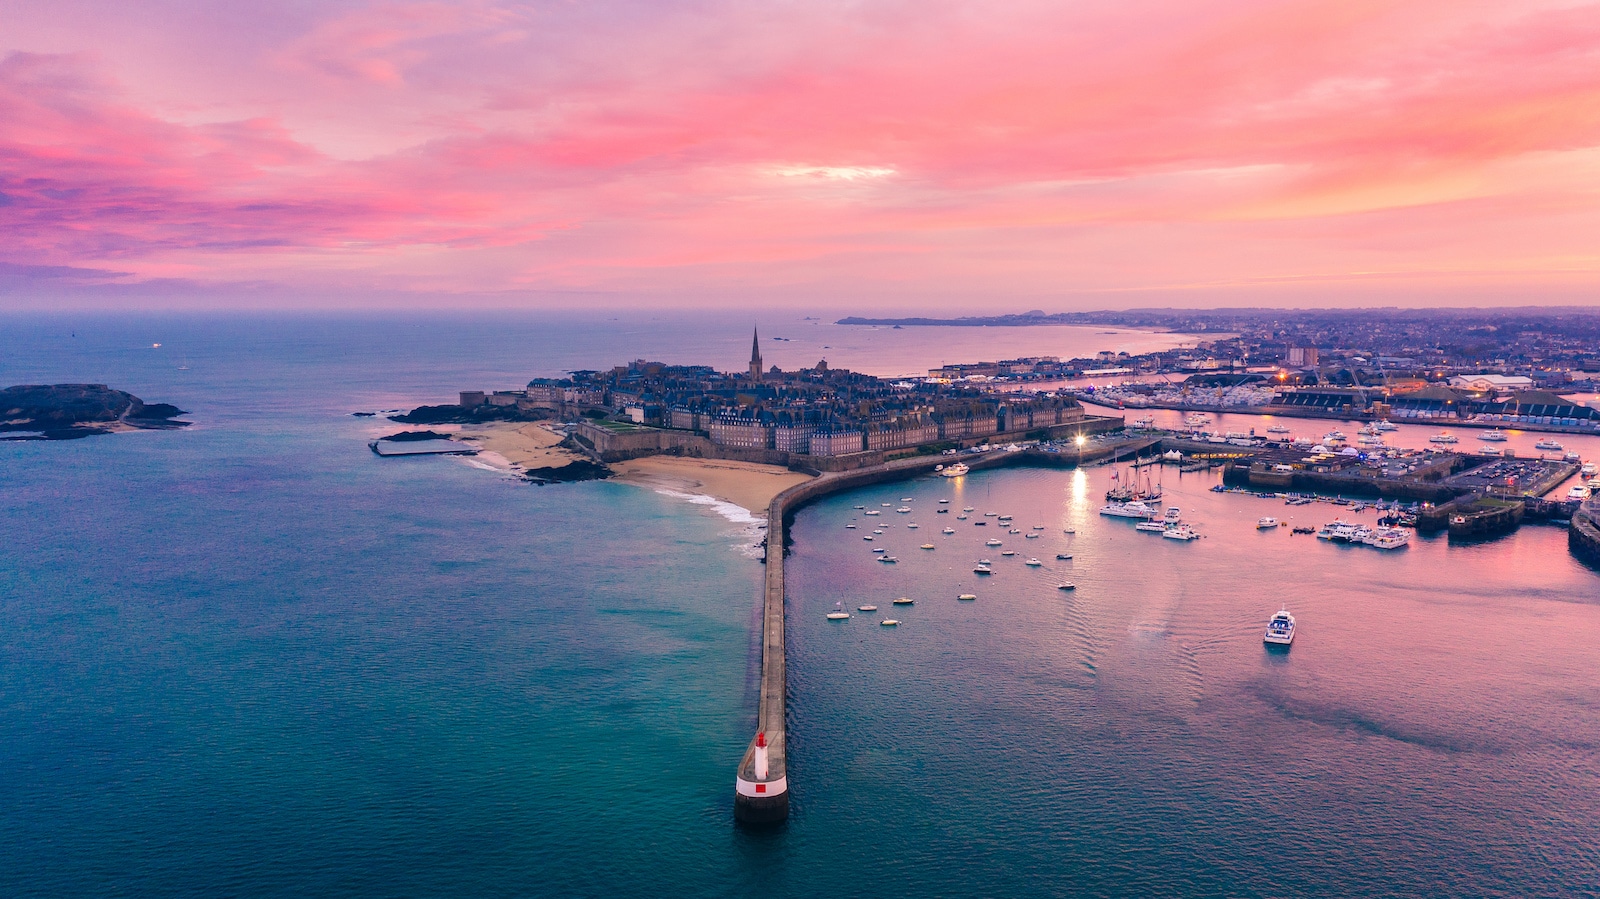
[1583, 534]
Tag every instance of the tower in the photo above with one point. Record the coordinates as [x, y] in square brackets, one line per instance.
[755, 355]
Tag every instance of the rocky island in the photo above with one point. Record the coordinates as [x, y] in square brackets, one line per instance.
[71, 411]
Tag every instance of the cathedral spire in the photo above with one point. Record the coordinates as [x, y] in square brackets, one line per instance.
[755, 355]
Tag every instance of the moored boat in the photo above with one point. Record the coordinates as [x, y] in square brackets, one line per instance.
[1280, 630]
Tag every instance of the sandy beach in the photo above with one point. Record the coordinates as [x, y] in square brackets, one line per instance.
[741, 483]
[524, 445]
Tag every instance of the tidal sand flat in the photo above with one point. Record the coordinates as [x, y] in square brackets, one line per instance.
[744, 484]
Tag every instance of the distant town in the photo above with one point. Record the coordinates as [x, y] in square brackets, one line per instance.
[1511, 368]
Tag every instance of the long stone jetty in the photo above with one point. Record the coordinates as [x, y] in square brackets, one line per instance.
[761, 784]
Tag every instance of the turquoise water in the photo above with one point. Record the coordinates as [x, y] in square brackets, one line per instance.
[253, 659]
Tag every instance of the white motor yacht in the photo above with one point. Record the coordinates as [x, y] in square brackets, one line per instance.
[1280, 630]
[1589, 469]
[1443, 437]
[1388, 538]
[1132, 509]
[1579, 491]
[1181, 532]
[1067, 586]
[991, 542]
[1549, 444]
[1277, 429]
[1493, 435]
[983, 569]
[955, 471]
[1266, 523]
[1387, 425]
[1033, 563]
[948, 531]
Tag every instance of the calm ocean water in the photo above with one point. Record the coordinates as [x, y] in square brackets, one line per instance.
[252, 659]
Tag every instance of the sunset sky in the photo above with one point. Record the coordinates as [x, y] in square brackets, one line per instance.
[918, 155]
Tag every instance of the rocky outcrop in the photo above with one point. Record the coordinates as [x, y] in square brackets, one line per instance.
[70, 411]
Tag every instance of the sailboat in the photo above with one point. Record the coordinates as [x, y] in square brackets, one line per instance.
[838, 613]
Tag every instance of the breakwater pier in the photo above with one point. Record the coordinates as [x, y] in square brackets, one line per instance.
[761, 782]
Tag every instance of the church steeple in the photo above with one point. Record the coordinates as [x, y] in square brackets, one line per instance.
[755, 355]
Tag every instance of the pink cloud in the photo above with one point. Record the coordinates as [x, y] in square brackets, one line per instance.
[1042, 149]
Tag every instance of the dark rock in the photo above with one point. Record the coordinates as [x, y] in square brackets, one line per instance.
[457, 415]
[70, 411]
[579, 470]
[414, 436]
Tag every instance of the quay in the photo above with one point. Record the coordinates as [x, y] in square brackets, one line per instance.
[761, 782]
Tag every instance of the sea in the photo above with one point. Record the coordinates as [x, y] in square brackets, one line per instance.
[251, 658]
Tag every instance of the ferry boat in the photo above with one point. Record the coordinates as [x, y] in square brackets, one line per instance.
[1490, 451]
[1266, 523]
[1196, 419]
[838, 613]
[1389, 538]
[1277, 429]
[1133, 509]
[1549, 444]
[1280, 630]
[1493, 435]
[955, 471]
[1442, 437]
[1334, 437]
[1181, 532]
[1153, 527]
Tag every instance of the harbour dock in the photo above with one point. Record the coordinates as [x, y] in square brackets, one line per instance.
[761, 782]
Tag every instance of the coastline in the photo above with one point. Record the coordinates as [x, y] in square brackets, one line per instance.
[747, 485]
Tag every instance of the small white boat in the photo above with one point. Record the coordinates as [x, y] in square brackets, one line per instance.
[942, 511]
[1493, 435]
[1266, 522]
[1386, 425]
[858, 507]
[1033, 563]
[866, 537]
[890, 559]
[955, 471]
[903, 510]
[990, 514]
[1589, 469]
[904, 601]
[877, 531]
[927, 546]
[1008, 552]
[1334, 437]
[1579, 491]
[1069, 531]
[983, 569]
[1067, 586]
[1038, 527]
[849, 527]
[1013, 531]
[866, 608]
[967, 509]
[872, 512]
[890, 622]
[944, 502]
[1151, 527]
[913, 525]
[1489, 451]
[880, 550]
[1181, 532]
[1549, 444]
[905, 499]
[1031, 536]
[991, 542]
[948, 531]
[967, 597]
[961, 518]
[838, 613]
[1280, 630]
[1063, 555]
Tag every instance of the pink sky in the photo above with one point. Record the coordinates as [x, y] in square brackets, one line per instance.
[910, 155]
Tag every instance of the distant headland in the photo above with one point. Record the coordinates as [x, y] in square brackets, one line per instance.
[71, 411]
